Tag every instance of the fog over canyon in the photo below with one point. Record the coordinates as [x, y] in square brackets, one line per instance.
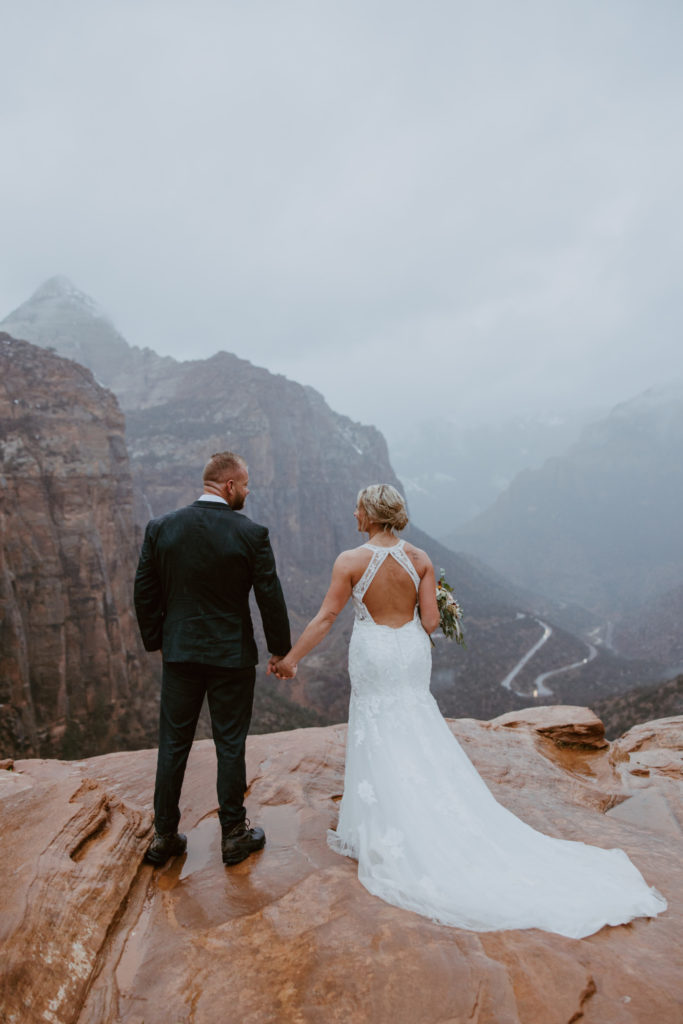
[78, 487]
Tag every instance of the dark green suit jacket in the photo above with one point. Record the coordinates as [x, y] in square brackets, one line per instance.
[196, 569]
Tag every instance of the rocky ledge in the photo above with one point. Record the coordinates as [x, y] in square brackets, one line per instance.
[92, 935]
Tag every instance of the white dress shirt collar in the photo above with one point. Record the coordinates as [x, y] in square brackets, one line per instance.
[212, 497]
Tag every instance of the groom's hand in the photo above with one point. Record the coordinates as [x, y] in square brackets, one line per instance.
[272, 664]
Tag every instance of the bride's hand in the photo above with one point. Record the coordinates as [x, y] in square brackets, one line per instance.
[285, 668]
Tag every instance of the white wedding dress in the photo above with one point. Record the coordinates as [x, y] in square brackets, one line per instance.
[427, 833]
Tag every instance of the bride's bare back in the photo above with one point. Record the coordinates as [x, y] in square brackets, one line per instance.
[391, 597]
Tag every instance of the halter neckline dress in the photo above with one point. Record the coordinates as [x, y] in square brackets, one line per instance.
[427, 833]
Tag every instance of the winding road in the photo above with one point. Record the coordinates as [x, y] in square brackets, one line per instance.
[507, 682]
[539, 687]
[539, 683]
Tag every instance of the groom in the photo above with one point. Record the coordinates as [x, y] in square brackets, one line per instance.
[196, 569]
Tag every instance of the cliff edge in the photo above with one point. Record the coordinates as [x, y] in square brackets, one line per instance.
[90, 934]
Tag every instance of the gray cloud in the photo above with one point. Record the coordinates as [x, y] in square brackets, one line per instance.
[470, 205]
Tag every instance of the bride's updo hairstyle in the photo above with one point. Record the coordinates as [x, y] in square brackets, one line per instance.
[383, 505]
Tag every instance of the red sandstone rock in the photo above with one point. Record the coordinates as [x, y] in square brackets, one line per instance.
[73, 673]
[563, 724]
[91, 935]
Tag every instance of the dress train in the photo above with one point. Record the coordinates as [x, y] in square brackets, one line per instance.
[426, 831]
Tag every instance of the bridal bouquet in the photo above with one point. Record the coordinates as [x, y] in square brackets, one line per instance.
[450, 611]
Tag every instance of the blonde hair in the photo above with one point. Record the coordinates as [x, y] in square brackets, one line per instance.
[383, 505]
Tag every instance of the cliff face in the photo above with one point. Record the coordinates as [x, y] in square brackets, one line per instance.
[91, 935]
[600, 525]
[306, 462]
[74, 676]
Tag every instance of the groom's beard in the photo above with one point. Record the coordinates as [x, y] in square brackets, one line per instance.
[236, 504]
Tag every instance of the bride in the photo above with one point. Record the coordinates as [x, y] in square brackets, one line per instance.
[426, 832]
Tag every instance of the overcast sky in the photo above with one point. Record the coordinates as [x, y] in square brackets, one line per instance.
[466, 206]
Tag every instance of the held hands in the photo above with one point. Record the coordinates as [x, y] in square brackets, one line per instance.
[282, 667]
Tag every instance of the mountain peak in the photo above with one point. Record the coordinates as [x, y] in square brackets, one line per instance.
[59, 315]
[61, 288]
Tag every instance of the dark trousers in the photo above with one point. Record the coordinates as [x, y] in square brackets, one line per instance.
[230, 694]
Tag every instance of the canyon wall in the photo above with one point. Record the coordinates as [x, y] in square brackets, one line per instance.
[75, 678]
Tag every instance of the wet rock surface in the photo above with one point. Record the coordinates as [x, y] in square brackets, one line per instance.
[92, 935]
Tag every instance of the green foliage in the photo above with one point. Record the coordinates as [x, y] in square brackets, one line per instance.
[449, 610]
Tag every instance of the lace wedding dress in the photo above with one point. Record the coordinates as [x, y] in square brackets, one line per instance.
[427, 833]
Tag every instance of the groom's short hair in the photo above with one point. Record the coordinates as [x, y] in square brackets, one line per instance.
[222, 465]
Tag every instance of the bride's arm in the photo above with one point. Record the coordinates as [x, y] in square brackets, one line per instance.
[426, 596]
[317, 629]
